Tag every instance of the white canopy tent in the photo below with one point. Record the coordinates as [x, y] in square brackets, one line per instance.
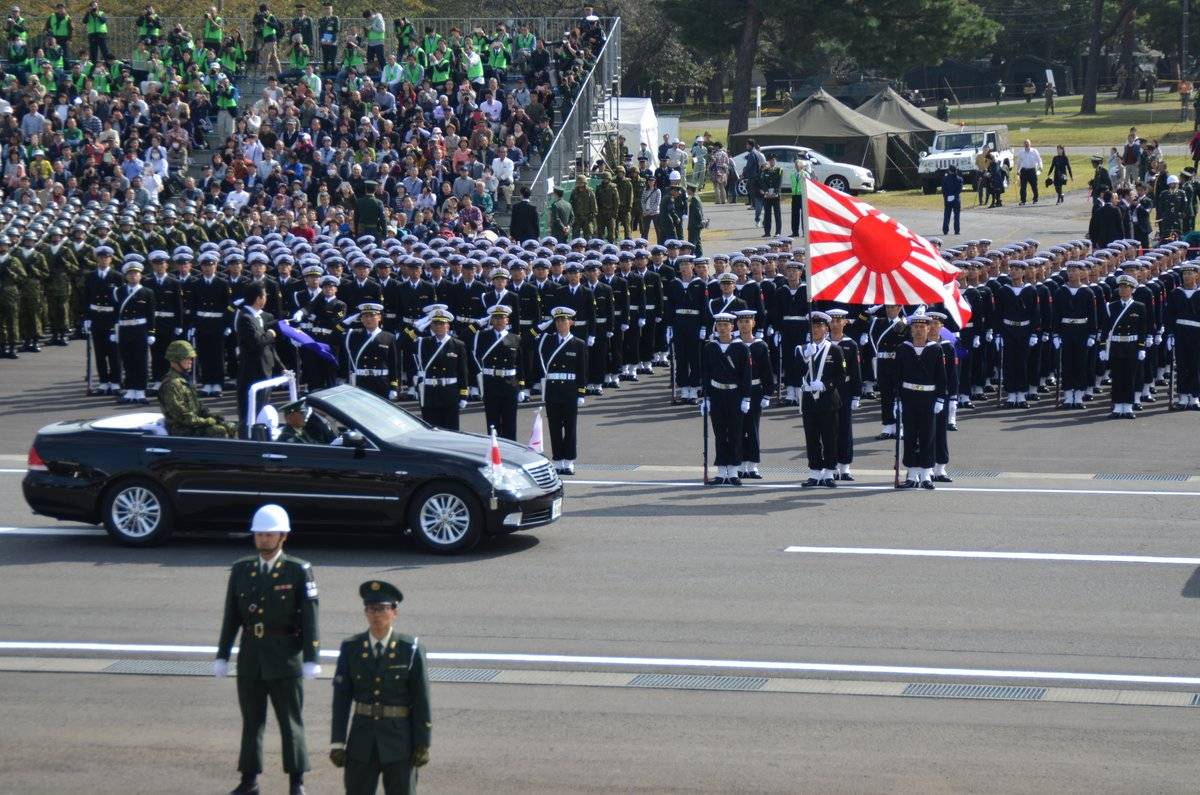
[634, 118]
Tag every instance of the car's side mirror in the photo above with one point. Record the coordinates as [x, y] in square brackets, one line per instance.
[353, 439]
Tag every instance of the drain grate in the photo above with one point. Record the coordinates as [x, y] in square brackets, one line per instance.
[1163, 477]
[462, 674]
[973, 473]
[688, 682]
[783, 470]
[610, 467]
[999, 692]
[161, 668]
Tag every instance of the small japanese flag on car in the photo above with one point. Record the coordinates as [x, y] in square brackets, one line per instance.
[535, 437]
[494, 460]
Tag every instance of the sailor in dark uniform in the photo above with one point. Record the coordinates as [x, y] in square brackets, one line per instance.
[762, 384]
[324, 318]
[1182, 321]
[1017, 325]
[1074, 334]
[168, 314]
[1123, 346]
[725, 365]
[943, 421]
[838, 318]
[496, 352]
[209, 312]
[788, 315]
[921, 379]
[822, 380]
[371, 360]
[885, 334]
[563, 359]
[133, 333]
[440, 362]
[100, 315]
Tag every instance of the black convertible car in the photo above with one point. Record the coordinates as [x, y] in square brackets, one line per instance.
[375, 467]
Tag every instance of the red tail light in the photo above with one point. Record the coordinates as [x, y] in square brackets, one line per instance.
[35, 463]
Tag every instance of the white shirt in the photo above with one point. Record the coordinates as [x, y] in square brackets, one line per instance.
[491, 109]
[269, 562]
[1029, 158]
[384, 641]
[502, 168]
[238, 198]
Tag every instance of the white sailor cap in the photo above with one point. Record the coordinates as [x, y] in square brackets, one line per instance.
[1125, 278]
[741, 313]
[370, 306]
[724, 317]
[440, 314]
[836, 313]
[500, 310]
[335, 281]
[133, 265]
[818, 317]
[313, 270]
[562, 311]
[727, 277]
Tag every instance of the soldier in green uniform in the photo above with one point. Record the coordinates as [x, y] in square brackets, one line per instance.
[381, 674]
[562, 216]
[294, 420]
[625, 193]
[183, 412]
[12, 276]
[770, 183]
[1190, 189]
[33, 291]
[608, 202]
[695, 218]
[272, 602]
[368, 213]
[1172, 208]
[583, 203]
[62, 268]
[673, 210]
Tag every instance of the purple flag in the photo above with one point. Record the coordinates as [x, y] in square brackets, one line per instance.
[306, 342]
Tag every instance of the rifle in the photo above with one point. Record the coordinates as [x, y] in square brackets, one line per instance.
[1000, 370]
[704, 414]
[671, 354]
[779, 378]
[896, 461]
[1058, 380]
[87, 363]
[1171, 383]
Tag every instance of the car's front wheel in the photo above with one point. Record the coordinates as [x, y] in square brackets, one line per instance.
[838, 182]
[446, 518]
[137, 513]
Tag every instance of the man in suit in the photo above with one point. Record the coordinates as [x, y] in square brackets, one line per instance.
[524, 224]
[256, 348]
[381, 678]
[272, 601]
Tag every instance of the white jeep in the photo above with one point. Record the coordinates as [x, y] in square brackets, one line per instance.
[959, 148]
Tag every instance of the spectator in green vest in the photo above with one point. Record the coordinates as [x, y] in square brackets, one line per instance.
[96, 23]
[214, 29]
[497, 62]
[298, 58]
[59, 26]
[266, 33]
[15, 24]
[376, 35]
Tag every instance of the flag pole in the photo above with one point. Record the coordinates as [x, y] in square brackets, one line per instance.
[806, 262]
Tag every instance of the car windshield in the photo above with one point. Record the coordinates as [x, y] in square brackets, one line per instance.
[373, 414]
[963, 140]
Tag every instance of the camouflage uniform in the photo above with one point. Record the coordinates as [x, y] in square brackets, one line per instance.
[607, 203]
[63, 270]
[625, 192]
[1172, 209]
[185, 415]
[12, 275]
[33, 295]
[583, 203]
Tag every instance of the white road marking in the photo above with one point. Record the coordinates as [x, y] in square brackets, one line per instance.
[51, 531]
[659, 662]
[984, 554]
[13, 471]
[725, 490]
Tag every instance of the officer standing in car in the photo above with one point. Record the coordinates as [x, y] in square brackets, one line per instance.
[382, 680]
[272, 602]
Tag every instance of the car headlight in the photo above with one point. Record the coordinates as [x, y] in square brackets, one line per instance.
[508, 478]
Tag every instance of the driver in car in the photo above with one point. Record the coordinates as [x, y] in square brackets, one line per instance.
[183, 412]
[295, 417]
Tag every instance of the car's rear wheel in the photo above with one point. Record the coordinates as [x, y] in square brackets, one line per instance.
[743, 186]
[446, 518]
[137, 513]
[838, 182]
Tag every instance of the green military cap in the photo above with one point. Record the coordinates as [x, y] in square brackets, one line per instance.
[375, 592]
[178, 350]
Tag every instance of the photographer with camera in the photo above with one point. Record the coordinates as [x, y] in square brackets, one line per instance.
[96, 23]
[266, 35]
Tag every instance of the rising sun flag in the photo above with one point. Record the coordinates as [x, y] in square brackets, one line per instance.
[858, 255]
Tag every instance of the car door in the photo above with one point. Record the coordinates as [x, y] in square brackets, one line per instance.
[208, 480]
[329, 484]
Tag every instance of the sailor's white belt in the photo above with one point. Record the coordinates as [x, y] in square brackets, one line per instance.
[164, 314]
[499, 373]
[101, 308]
[918, 387]
[464, 319]
[210, 314]
[307, 326]
[409, 320]
[647, 306]
[1193, 323]
[755, 381]
[1008, 322]
[133, 321]
[885, 355]
[580, 323]
[969, 325]
[1124, 338]
[600, 320]
[794, 317]
[361, 371]
[560, 376]
[717, 385]
[390, 315]
[319, 330]
[1075, 320]
[687, 311]
[441, 381]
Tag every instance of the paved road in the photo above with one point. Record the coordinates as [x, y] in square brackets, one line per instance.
[648, 573]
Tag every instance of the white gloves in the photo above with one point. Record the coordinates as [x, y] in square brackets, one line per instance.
[178, 332]
[150, 340]
[87, 327]
[809, 349]
[393, 394]
[579, 402]
[1057, 342]
[816, 386]
[975, 342]
[591, 341]
[1104, 354]
[624, 327]
[703, 407]
[462, 404]
[989, 335]
[310, 670]
[1033, 339]
[1091, 341]
[999, 343]
[745, 405]
[220, 668]
[608, 335]
[703, 332]
[298, 316]
[522, 396]
[1170, 341]
[765, 403]
[228, 331]
[862, 339]
[112, 336]
[1141, 355]
[670, 334]
[778, 339]
[1045, 336]
[938, 405]
[641, 322]
[854, 404]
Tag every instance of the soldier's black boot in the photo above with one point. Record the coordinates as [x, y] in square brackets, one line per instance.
[248, 785]
[296, 786]
[10, 352]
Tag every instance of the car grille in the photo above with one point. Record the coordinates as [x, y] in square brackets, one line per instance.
[544, 475]
[535, 517]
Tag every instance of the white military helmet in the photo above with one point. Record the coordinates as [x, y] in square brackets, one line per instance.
[271, 519]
